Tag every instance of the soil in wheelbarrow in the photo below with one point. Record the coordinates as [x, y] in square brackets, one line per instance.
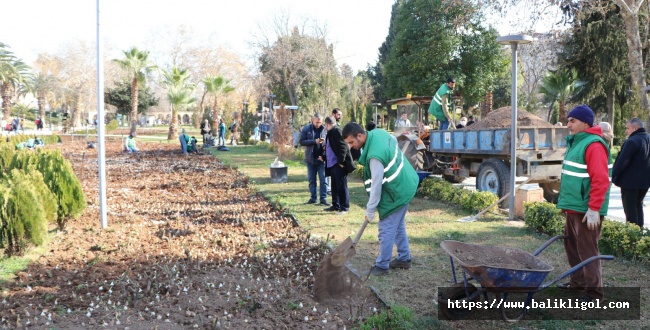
[502, 118]
[495, 259]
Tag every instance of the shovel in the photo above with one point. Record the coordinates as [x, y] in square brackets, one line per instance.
[330, 279]
[475, 217]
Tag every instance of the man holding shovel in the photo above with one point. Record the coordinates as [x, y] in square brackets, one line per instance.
[391, 183]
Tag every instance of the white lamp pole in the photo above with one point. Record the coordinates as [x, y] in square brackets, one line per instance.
[513, 41]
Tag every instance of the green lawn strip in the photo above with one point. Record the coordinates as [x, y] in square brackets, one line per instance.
[9, 266]
[428, 224]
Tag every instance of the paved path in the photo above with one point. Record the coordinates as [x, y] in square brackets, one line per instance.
[615, 204]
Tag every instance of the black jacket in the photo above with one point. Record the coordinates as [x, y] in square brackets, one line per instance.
[308, 137]
[632, 167]
[340, 148]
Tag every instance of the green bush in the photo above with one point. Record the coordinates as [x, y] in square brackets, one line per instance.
[620, 238]
[6, 155]
[112, 125]
[544, 217]
[480, 200]
[63, 182]
[23, 218]
[358, 172]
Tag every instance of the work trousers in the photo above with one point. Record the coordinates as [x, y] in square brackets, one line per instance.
[633, 204]
[581, 245]
[340, 194]
[392, 231]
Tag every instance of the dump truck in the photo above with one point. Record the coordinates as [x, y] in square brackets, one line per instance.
[485, 153]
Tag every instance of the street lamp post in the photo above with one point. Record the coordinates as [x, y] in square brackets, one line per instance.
[270, 96]
[513, 41]
[376, 105]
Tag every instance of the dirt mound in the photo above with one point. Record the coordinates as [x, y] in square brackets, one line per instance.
[501, 118]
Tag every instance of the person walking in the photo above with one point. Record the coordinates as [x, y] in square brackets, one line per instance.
[441, 103]
[339, 164]
[631, 170]
[584, 198]
[312, 137]
[391, 184]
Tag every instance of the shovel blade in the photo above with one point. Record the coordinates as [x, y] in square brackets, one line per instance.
[343, 252]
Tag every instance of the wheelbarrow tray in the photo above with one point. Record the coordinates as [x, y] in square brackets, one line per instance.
[498, 267]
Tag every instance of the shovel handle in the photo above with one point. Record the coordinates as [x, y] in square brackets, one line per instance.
[363, 227]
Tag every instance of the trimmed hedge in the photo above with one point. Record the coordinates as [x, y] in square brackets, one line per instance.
[439, 189]
[620, 239]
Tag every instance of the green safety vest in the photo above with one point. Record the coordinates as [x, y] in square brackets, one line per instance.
[574, 182]
[130, 142]
[400, 180]
[436, 103]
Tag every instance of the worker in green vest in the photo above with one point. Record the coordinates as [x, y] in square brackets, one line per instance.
[441, 104]
[391, 183]
[584, 198]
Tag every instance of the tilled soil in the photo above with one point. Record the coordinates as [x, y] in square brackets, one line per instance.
[502, 118]
[189, 244]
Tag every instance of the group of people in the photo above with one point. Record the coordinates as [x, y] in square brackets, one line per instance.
[328, 151]
[208, 139]
[390, 185]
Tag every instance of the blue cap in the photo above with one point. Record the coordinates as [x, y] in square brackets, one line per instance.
[583, 113]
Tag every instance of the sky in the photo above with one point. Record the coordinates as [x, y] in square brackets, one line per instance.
[357, 28]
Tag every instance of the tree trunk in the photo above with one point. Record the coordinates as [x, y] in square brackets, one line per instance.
[76, 112]
[215, 118]
[634, 53]
[610, 109]
[173, 125]
[41, 107]
[134, 105]
[563, 112]
[6, 101]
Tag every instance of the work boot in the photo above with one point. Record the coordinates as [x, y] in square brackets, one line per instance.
[376, 271]
[400, 264]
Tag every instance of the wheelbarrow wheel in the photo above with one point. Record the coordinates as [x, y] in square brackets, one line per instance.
[455, 293]
[513, 315]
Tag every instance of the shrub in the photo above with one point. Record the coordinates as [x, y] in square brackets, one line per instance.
[544, 217]
[480, 200]
[23, 218]
[62, 181]
[112, 125]
[397, 317]
[620, 238]
[247, 125]
[6, 154]
[358, 172]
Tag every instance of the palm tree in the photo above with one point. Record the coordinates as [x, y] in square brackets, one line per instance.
[44, 86]
[560, 85]
[137, 64]
[14, 76]
[179, 95]
[215, 86]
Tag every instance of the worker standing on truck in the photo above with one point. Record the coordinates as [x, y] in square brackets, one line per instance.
[441, 103]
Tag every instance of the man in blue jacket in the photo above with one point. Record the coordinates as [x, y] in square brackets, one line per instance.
[631, 170]
[312, 137]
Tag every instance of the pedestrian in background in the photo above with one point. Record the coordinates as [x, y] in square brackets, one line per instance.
[339, 164]
[312, 137]
[205, 131]
[222, 133]
[632, 170]
[391, 183]
[584, 198]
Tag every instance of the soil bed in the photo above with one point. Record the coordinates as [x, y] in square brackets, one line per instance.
[190, 244]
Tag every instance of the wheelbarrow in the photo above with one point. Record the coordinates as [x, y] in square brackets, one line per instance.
[499, 270]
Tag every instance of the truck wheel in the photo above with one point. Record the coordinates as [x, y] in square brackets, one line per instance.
[411, 153]
[551, 191]
[494, 176]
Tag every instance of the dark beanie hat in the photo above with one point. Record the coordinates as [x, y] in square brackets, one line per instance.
[451, 80]
[583, 113]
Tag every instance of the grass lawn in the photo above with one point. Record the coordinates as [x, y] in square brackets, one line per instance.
[428, 224]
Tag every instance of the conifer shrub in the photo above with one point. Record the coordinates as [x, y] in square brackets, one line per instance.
[62, 181]
[6, 154]
[112, 125]
[23, 219]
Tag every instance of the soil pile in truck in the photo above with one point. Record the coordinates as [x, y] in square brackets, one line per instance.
[502, 118]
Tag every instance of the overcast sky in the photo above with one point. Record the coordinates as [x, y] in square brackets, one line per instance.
[356, 27]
